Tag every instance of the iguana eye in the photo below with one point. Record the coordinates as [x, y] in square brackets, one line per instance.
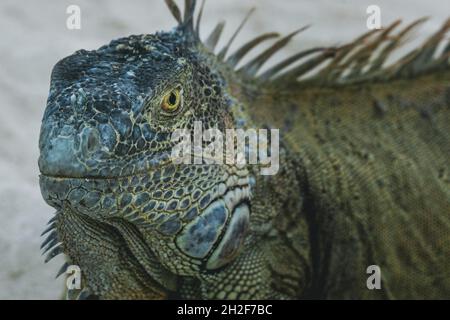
[172, 100]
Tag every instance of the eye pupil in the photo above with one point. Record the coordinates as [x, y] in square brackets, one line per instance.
[172, 99]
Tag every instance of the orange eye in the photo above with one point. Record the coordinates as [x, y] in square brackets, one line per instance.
[171, 101]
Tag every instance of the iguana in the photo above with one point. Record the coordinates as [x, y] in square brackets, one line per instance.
[364, 174]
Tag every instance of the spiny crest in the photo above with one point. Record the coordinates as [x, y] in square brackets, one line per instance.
[363, 59]
[51, 244]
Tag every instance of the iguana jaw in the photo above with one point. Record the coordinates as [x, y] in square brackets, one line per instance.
[197, 213]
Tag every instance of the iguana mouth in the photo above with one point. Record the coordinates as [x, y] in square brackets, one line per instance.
[84, 178]
[122, 195]
[154, 167]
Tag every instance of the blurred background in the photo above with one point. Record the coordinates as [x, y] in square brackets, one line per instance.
[34, 37]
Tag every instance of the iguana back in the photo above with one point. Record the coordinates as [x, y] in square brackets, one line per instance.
[375, 169]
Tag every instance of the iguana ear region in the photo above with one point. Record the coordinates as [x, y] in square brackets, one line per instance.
[233, 240]
[210, 234]
[199, 236]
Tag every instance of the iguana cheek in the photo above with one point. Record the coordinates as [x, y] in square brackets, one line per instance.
[233, 239]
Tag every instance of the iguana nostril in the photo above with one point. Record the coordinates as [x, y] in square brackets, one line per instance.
[67, 155]
[90, 140]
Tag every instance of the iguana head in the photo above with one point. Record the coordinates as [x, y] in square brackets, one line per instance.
[105, 147]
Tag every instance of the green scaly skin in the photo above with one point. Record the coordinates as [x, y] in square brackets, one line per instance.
[364, 172]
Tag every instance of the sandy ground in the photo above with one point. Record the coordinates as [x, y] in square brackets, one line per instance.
[34, 37]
